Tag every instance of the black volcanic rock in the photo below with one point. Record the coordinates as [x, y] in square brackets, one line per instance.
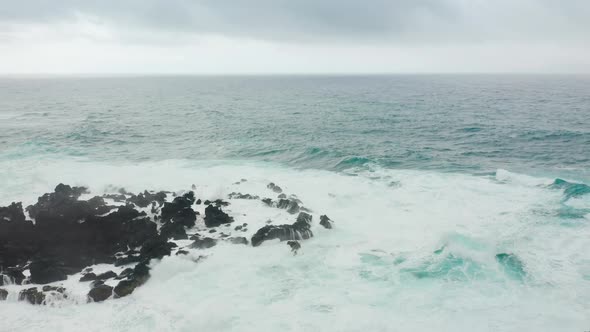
[214, 217]
[44, 271]
[12, 213]
[106, 275]
[326, 222]
[88, 277]
[173, 230]
[300, 230]
[156, 247]
[139, 277]
[3, 294]
[290, 205]
[31, 295]
[146, 198]
[180, 210]
[100, 293]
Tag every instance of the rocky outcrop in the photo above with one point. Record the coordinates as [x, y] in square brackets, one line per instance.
[300, 230]
[326, 222]
[215, 217]
[100, 293]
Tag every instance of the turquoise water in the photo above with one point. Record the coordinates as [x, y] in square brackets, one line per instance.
[467, 123]
[461, 202]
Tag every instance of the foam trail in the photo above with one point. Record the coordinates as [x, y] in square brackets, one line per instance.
[420, 255]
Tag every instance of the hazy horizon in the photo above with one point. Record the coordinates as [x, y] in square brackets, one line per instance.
[305, 37]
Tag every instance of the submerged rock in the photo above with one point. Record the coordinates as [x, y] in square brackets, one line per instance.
[214, 217]
[3, 294]
[300, 230]
[290, 205]
[274, 188]
[139, 277]
[203, 243]
[295, 245]
[235, 195]
[238, 240]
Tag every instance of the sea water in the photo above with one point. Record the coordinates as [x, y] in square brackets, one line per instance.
[459, 202]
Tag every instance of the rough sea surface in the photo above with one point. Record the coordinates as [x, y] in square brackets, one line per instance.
[461, 203]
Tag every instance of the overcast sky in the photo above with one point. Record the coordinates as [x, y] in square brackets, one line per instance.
[294, 36]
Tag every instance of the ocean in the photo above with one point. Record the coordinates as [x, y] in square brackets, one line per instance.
[460, 202]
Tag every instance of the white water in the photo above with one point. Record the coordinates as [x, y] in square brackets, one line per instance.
[355, 277]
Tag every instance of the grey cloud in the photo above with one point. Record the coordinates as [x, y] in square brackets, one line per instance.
[431, 21]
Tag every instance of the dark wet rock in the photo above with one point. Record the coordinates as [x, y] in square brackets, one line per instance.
[267, 201]
[214, 217]
[238, 240]
[139, 277]
[53, 289]
[295, 245]
[173, 230]
[223, 235]
[180, 210]
[274, 188]
[326, 222]
[181, 252]
[119, 198]
[235, 195]
[195, 236]
[106, 275]
[31, 295]
[193, 187]
[203, 243]
[156, 247]
[88, 269]
[199, 201]
[88, 277]
[245, 224]
[207, 202]
[300, 230]
[212, 230]
[3, 294]
[12, 213]
[100, 293]
[44, 271]
[14, 276]
[96, 283]
[125, 273]
[237, 228]
[281, 196]
[120, 261]
[290, 205]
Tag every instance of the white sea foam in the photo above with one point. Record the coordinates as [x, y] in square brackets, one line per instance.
[377, 270]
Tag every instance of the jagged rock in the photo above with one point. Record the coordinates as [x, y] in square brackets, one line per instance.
[125, 273]
[326, 222]
[146, 198]
[173, 230]
[106, 275]
[203, 243]
[295, 245]
[88, 277]
[214, 217]
[180, 211]
[281, 196]
[139, 276]
[53, 289]
[156, 247]
[116, 197]
[31, 295]
[120, 261]
[3, 294]
[267, 201]
[96, 283]
[300, 230]
[181, 252]
[12, 213]
[274, 188]
[100, 293]
[14, 276]
[198, 201]
[235, 195]
[237, 228]
[290, 205]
